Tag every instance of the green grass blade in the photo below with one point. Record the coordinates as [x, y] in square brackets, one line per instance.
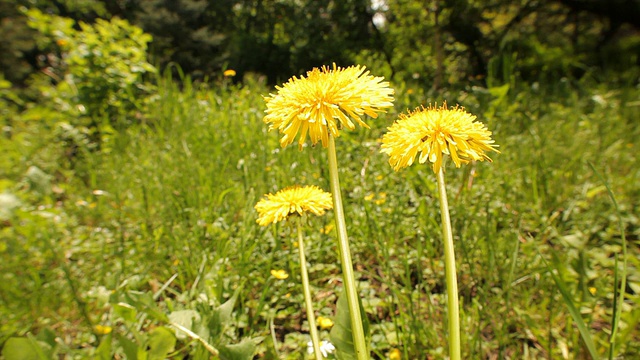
[618, 295]
[575, 314]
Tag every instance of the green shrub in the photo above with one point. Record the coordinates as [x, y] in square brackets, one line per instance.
[97, 70]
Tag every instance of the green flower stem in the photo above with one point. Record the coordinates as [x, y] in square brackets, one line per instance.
[348, 276]
[307, 295]
[450, 272]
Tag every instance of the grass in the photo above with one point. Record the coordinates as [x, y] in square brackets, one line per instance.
[166, 209]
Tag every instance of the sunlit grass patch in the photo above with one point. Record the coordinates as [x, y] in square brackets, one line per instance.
[177, 196]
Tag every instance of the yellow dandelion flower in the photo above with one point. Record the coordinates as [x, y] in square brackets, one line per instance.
[325, 101]
[292, 200]
[102, 329]
[325, 323]
[435, 132]
[229, 73]
[395, 354]
[327, 229]
[279, 274]
[382, 198]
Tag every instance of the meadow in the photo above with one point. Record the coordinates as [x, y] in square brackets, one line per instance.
[101, 248]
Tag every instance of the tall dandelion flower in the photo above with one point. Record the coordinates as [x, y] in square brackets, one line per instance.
[320, 105]
[325, 101]
[433, 133]
[297, 200]
[292, 200]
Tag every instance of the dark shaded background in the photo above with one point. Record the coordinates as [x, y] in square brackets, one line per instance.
[435, 43]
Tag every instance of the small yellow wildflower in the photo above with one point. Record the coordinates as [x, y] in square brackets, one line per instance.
[369, 197]
[593, 290]
[296, 199]
[327, 229]
[62, 42]
[395, 354]
[279, 274]
[325, 323]
[229, 73]
[382, 198]
[102, 329]
[324, 102]
[435, 132]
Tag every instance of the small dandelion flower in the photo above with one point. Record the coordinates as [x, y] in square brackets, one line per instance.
[326, 348]
[102, 329]
[395, 354]
[229, 73]
[279, 274]
[292, 200]
[327, 229]
[436, 132]
[325, 101]
[325, 323]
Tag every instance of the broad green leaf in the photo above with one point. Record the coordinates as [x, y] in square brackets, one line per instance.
[341, 334]
[224, 311]
[103, 352]
[47, 336]
[24, 349]
[129, 347]
[241, 351]
[185, 318]
[125, 311]
[161, 342]
[221, 316]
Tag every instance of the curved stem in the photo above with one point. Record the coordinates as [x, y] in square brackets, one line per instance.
[307, 295]
[450, 272]
[348, 276]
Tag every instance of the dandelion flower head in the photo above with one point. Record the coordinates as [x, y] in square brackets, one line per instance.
[325, 323]
[279, 274]
[292, 200]
[433, 133]
[102, 329]
[325, 101]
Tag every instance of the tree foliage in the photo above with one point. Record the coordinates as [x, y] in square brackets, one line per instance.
[437, 42]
